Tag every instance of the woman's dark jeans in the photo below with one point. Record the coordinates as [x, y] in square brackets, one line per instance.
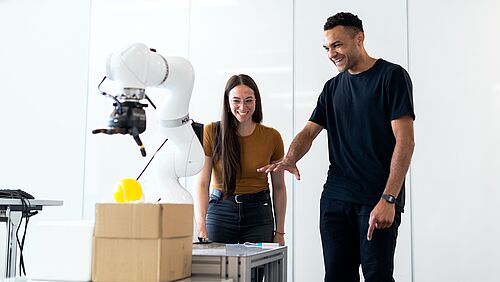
[240, 219]
[231, 222]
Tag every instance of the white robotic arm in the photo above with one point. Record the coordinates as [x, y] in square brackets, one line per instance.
[137, 68]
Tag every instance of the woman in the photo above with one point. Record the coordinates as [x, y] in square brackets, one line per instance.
[240, 209]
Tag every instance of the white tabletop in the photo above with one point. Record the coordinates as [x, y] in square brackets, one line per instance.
[231, 250]
[32, 202]
[196, 278]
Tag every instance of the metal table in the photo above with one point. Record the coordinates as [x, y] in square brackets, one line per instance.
[11, 211]
[236, 261]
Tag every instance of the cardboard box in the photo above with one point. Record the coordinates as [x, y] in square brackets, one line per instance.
[142, 242]
[141, 259]
[143, 220]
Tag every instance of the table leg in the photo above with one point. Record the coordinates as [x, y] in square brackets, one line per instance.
[13, 221]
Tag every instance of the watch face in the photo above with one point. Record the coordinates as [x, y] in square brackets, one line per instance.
[389, 198]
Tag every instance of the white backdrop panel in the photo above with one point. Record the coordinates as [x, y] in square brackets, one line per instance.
[454, 62]
[43, 73]
[221, 38]
[163, 25]
[235, 37]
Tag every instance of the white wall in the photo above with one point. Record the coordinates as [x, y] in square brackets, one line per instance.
[454, 63]
[53, 55]
[43, 78]
[43, 73]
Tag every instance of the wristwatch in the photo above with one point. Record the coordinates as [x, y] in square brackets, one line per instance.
[389, 198]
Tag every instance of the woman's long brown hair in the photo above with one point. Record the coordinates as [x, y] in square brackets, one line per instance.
[226, 145]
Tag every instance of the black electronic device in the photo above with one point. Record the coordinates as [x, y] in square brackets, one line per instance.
[202, 240]
[15, 194]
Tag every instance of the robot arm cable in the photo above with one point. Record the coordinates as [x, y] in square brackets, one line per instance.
[150, 160]
[108, 95]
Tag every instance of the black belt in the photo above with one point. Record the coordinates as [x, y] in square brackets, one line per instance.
[263, 197]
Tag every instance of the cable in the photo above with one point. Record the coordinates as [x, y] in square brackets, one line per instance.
[26, 214]
[144, 169]
[118, 104]
[21, 263]
[21, 247]
[151, 102]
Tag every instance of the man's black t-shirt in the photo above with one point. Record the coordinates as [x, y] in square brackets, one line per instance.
[357, 110]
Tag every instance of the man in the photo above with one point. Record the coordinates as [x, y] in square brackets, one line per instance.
[367, 110]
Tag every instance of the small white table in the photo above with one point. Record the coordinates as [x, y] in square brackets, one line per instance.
[11, 211]
[201, 278]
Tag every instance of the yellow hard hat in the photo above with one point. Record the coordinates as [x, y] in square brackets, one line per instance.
[127, 190]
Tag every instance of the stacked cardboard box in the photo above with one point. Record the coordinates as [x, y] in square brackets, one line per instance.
[142, 242]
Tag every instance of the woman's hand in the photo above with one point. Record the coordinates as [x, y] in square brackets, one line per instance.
[279, 238]
[202, 230]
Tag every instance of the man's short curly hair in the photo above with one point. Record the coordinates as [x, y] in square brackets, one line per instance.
[348, 20]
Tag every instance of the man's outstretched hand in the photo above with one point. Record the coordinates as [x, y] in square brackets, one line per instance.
[284, 164]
